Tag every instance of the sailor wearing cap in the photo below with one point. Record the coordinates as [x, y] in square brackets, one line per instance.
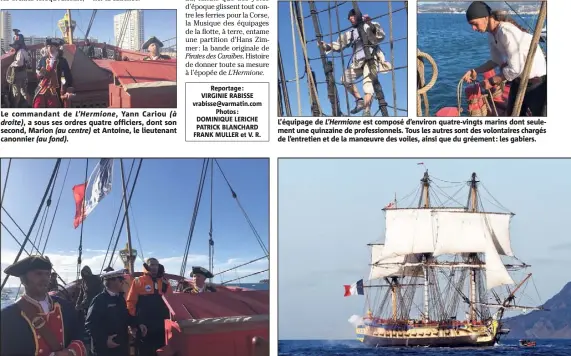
[153, 45]
[199, 276]
[108, 319]
[38, 324]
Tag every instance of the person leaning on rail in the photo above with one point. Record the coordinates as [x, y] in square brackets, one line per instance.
[509, 46]
[358, 66]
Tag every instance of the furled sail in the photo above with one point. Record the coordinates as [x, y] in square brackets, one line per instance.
[382, 266]
[467, 232]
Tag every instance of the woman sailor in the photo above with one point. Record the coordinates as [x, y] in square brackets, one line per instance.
[509, 45]
[358, 66]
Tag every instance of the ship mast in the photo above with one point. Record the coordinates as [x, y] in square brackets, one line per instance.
[69, 32]
[129, 245]
[426, 199]
[473, 208]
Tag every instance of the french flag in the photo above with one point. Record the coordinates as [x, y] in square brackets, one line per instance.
[354, 289]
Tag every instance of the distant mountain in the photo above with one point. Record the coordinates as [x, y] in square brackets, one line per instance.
[460, 7]
[552, 324]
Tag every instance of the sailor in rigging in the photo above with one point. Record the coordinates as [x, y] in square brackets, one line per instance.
[56, 83]
[198, 284]
[38, 324]
[358, 67]
[108, 320]
[145, 302]
[509, 46]
[153, 45]
[90, 287]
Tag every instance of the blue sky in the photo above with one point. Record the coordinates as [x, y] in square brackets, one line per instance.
[329, 209]
[42, 23]
[161, 211]
[373, 9]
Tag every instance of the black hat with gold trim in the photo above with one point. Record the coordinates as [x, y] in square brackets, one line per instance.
[152, 40]
[201, 270]
[34, 262]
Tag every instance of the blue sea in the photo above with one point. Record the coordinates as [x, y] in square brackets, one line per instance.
[456, 48]
[354, 347]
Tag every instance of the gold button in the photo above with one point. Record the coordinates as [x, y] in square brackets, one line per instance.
[58, 317]
[39, 336]
[41, 350]
[60, 330]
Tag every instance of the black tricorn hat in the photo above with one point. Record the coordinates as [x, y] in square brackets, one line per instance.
[152, 40]
[28, 264]
[54, 42]
[201, 270]
[16, 30]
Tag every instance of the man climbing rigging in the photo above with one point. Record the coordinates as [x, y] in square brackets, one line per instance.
[358, 66]
[509, 46]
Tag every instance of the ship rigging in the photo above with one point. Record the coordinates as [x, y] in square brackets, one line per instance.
[436, 261]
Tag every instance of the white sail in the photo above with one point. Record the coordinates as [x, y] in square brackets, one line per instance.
[382, 266]
[466, 232]
[408, 231]
[496, 272]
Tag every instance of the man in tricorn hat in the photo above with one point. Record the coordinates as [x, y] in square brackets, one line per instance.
[17, 75]
[38, 324]
[198, 285]
[17, 35]
[153, 45]
[108, 320]
[52, 90]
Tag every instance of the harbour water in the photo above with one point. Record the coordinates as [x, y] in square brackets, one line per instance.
[354, 347]
[456, 48]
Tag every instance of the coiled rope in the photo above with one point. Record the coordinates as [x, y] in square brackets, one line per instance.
[422, 87]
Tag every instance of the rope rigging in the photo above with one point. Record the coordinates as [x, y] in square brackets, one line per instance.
[117, 220]
[80, 248]
[51, 182]
[328, 63]
[205, 163]
[126, 210]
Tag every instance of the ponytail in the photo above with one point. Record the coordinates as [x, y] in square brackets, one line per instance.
[502, 16]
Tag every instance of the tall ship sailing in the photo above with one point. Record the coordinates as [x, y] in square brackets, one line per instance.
[436, 262]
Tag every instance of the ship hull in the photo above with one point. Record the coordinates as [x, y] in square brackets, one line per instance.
[452, 341]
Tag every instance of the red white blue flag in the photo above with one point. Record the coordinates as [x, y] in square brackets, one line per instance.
[354, 289]
[98, 185]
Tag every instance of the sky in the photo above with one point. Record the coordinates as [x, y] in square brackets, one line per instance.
[160, 215]
[43, 23]
[330, 209]
[371, 8]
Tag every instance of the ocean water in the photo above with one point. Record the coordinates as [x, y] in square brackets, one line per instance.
[456, 48]
[354, 347]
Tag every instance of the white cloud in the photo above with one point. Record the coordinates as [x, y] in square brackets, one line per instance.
[66, 265]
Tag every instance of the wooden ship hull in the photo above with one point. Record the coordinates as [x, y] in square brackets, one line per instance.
[427, 336]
